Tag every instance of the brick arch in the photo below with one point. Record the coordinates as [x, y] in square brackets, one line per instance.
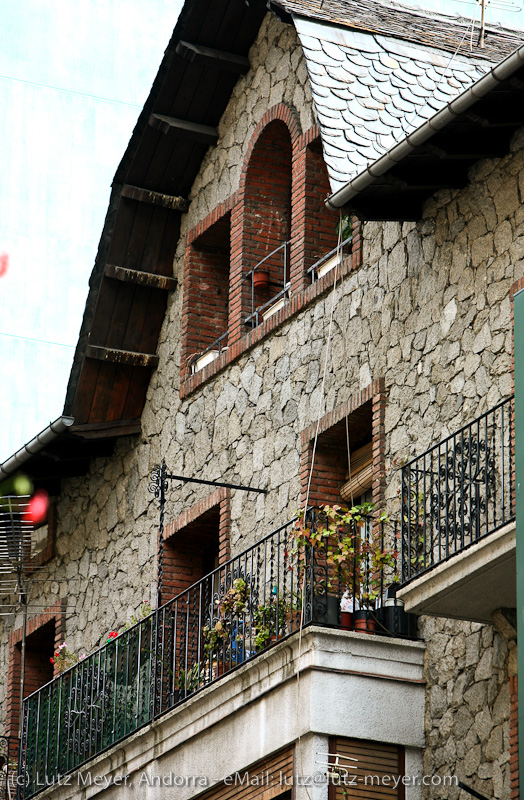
[283, 113]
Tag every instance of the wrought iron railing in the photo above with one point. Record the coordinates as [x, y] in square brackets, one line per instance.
[216, 348]
[8, 767]
[458, 491]
[283, 286]
[337, 251]
[224, 620]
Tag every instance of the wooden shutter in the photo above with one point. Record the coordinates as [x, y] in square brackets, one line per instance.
[361, 476]
[270, 778]
[375, 761]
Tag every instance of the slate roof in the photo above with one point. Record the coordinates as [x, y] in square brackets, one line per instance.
[371, 91]
[426, 28]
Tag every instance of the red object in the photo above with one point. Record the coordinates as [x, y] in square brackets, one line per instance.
[112, 634]
[364, 622]
[4, 263]
[346, 620]
[36, 511]
[52, 660]
[260, 279]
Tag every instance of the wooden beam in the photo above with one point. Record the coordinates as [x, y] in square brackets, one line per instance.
[140, 278]
[121, 356]
[229, 62]
[109, 429]
[155, 198]
[187, 130]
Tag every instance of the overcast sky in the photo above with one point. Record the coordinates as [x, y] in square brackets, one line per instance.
[74, 75]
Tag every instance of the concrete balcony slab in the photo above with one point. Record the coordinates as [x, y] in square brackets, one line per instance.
[299, 693]
[470, 585]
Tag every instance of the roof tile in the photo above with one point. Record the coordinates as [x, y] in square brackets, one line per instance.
[370, 91]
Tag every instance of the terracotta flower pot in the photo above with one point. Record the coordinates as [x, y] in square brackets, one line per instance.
[364, 621]
[261, 279]
[346, 620]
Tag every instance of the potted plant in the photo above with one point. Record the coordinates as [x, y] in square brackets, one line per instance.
[226, 634]
[270, 620]
[354, 555]
[188, 681]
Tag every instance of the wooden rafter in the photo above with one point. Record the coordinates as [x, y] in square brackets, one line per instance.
[155, 198]
[229, 62]
[184, 128]
[140, 278]
[126, 357]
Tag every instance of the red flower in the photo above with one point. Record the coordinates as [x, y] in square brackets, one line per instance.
[52, 660]
[112, 634]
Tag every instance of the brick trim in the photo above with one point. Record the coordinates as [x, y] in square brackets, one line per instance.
[220, 211]
[376, 393]
[283, 113]
[197, 510]
[221, 499]
[308, 137]
[295, 306]
[54, 613]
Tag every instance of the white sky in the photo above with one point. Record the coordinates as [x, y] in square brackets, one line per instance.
[74, 75]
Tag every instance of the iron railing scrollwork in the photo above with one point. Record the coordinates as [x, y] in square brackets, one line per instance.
[229, 617]
[9, 770]
[457, 491]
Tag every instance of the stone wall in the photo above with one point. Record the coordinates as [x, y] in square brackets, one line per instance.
[468, 705]
[428, 311]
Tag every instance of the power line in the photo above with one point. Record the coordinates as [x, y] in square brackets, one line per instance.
[70, 91]
[40, 341]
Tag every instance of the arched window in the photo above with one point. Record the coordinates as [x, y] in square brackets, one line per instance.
[266, 223]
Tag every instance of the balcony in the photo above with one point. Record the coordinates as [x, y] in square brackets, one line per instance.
[458, 522]
[221, 624]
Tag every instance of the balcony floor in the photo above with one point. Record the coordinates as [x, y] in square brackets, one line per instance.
[470, 585]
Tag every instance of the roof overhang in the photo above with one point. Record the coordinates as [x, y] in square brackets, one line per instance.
[477, 124]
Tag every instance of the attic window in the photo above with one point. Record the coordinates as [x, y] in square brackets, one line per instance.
[206, 294]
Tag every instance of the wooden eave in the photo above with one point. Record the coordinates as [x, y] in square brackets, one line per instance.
[444, 160]
[133, 273]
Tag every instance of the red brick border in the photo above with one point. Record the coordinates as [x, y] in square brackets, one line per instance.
[221, 498]
[54, 613]
[376, 392]
[306, 182]
[283, 113]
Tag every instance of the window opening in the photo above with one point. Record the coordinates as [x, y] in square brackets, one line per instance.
[207, 287]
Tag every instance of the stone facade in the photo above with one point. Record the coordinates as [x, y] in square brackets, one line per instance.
[428, 311]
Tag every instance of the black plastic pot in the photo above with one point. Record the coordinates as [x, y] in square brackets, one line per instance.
[394, 620]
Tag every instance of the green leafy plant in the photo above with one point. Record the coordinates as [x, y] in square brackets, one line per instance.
[189, 680]
[354, 555]
[64, 658]
[144, 611]
[235, 599]
[269, 619]
[344, 227]
[214, 637]
[233, 603]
